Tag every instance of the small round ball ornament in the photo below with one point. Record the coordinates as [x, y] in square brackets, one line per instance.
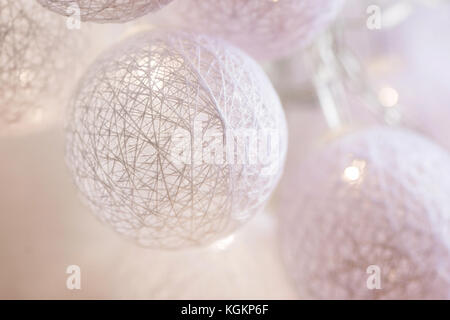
[264, 28]
[38, 55]
[175, 139]
[370, 219]
[104, 11]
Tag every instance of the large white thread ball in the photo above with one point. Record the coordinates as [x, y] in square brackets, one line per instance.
[264, 28]
[104, 11]
[128, 116]
[373, 199]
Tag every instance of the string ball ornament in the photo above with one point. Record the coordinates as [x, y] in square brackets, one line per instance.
[373, 223]
[104, 11]
[175, 139]
[37, 55]
[266, 29]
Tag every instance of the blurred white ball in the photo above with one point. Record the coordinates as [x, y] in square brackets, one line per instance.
[151, 101]
[104, 11]
[373, 198]
[39, 57]
[264, 28]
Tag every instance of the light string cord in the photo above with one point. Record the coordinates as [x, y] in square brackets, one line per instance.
[327, 79]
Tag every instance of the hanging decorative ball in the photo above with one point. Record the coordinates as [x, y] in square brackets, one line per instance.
[38, 56]
[368, 217]
[175, 139]
[266, 29]
[104, 11]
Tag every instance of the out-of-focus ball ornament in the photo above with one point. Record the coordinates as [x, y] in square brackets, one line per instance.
[104, 11]
[175, 139]
[368, 217]
[38, 55]
[264, 28]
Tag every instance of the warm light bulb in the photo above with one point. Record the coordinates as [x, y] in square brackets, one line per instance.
[354, 172]
[388, 97]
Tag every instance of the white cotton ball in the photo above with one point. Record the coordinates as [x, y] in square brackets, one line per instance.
[38, 60]
[144, 122]
[264, 28]
[376, 198]
[104, 11]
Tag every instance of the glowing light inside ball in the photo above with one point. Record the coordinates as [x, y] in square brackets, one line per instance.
[354, 172]
[388, 97]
